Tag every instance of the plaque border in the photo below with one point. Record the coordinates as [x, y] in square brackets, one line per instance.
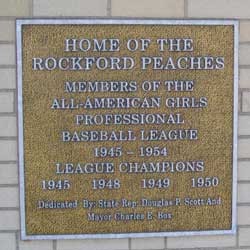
[128, 21]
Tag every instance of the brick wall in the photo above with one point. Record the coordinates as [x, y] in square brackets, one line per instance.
[9, 199]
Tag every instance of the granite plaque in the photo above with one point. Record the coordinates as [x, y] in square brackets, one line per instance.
[127, 128]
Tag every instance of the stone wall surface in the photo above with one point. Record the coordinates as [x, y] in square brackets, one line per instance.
[9, 197]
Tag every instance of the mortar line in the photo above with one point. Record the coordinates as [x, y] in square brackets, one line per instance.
[15, 101]
[243, 159]
[31, 11]
[7, 18]
[208, 248]
[185, 8]
[244, 43]
[8, 185]
[243, 136]
[8, 162]
[244, 226]
[54, 245]
[129, 243]
[243, 181]
[243, 204]
[109, 7]
[223, 248]
[8, 90]
[8, 113]
[7, 66]
[8, 138]
[245, 89]
[7, 42]
[241, 101]
[165, 243]
[17, 240]
[9, 208]
[8, 231]
[244, 113]
[158, 248]
[244, 66]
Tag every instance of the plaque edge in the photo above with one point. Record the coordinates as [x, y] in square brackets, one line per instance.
[128, 21]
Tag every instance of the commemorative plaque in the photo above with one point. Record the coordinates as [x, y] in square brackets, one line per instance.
[127, 128]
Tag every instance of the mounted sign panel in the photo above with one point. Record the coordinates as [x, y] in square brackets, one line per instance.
[127, 128]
